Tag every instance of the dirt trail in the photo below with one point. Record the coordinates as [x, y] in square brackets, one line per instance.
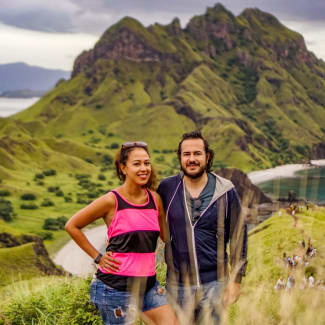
[75, 260]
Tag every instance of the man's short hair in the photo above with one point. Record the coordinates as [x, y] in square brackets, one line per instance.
[197, 135]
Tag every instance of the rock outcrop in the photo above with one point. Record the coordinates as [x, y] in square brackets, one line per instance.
[42, 259]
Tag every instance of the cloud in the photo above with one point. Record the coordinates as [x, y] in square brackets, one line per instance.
[54, 50]
[53, 33]
[84, 16]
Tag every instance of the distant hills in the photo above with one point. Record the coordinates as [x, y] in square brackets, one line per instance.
[248, 82]
[22, 80]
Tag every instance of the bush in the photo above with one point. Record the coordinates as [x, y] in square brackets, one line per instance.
[53, 188]
[49, 172]
[39, 176]
[114, 145]
[4, 193]
[28, 197]
[67, 199]
[59, 193]
[45, 235]
[82, 176]
[55, 223]
[101, 177]
[107, 159]
[47, 203]
[30, 206]
[6, 210]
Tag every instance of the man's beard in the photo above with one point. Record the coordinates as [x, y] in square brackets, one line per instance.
[197, 175]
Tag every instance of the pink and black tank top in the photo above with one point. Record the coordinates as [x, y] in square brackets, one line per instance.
[132, 237]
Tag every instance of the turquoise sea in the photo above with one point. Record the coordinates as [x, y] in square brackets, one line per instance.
[307, 184]
[10, 106]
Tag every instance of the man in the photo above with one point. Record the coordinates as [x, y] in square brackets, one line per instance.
[203, 215]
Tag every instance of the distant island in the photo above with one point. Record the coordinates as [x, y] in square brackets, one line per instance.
[23, 93]
[20, 80]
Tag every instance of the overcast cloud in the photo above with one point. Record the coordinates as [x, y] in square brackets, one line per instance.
[57, 31]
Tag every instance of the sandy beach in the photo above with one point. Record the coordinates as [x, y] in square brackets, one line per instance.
[264, 175]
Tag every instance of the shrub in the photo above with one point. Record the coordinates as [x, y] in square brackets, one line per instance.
[45, 235]
[53, 188]
[107, 159]
[82, 176]
[59, 193]
[28, 197]
[67, 199]
[30, 206]
[101, 177]
[114, 145]
[55, 223]
[39, 176]
[6, 210]
[4, 193]
[47, 203]
[49, 172]
[95, 140]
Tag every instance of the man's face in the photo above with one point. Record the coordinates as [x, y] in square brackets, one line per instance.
[193, 158]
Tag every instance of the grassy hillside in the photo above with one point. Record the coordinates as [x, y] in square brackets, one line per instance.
[259, 302]
[248, 82]
[65, 301]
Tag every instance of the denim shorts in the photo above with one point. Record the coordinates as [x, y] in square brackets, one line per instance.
[198, 301]
[121, 307]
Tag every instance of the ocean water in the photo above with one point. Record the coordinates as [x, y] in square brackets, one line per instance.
[10, 106]
[307, 184]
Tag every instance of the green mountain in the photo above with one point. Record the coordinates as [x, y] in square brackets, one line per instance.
[247, 81]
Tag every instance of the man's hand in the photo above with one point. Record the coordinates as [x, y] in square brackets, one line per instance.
[109, 263]
[232, 293]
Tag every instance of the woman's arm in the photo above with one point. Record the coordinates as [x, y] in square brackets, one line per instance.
[103, 207]
[161, 217]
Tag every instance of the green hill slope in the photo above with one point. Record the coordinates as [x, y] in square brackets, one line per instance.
[65, 301]
[248, 82]
[259, 302]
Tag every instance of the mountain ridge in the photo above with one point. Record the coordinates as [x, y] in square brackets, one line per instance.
[247, 81]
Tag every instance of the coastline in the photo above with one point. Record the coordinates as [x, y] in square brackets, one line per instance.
[260, 176]
[74, 260]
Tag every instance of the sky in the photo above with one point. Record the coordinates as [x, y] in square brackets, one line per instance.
[52, 34]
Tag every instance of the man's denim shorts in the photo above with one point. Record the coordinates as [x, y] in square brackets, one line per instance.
[191, 299]
[121, 307]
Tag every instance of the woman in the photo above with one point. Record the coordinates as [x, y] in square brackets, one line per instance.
[134, 216]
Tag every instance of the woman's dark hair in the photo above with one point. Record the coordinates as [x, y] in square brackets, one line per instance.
[122, 157]
[197, 135]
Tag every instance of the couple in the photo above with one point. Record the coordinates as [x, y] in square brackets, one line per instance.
[196, 213]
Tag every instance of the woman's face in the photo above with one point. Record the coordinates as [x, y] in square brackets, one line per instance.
[138, 167]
